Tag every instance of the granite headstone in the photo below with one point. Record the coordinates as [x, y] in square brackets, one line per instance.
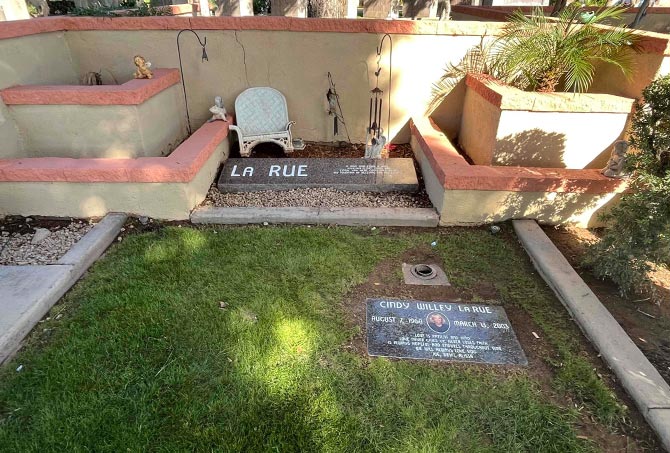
[374, 175]
[461, 332]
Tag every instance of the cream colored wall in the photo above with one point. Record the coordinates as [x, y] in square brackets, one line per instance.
[557, 139]
[153, 128]
[609, 79]
[478, 207]
[470, 207]
[432, 184]
[14, 10]
[296, 63]
[479, 125]
[169, 201]
[490, 136]
[34, 59]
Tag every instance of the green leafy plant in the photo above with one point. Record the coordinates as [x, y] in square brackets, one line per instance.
[477, 60]
[541, 53]
[638, 231]
[544, 53]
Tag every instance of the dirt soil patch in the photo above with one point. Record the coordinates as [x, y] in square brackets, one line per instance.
[645, 319]
[325, 150]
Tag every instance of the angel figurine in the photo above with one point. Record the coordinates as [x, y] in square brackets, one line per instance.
[143, 71]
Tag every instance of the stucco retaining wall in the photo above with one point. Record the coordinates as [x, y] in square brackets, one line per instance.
[168, 200]
[295, 63]
[467, 194]
[294, 56]
[502, 125]
[161, 187]
[152, 128]
[33, 59]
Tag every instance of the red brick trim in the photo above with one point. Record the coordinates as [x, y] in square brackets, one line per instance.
[650, 42]
[506, 97]
[455, 173]
[133, 92]
[13, 29]
[179, 167]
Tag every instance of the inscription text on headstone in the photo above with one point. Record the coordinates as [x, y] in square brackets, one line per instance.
[460, 332]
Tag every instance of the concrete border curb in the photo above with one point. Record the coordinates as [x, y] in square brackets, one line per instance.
[637, 375]
[29, 292]
[414, 217]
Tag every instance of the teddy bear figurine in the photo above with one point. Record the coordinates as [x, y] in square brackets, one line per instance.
[143, 71]
[218, 110]
[616, 163]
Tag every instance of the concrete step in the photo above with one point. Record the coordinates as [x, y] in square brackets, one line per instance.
[412, 217]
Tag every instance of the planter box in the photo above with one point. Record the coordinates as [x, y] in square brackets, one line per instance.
[503, 125]
[139, 118]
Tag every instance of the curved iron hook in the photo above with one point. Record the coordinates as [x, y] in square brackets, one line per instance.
[379, 55]
[203, 44]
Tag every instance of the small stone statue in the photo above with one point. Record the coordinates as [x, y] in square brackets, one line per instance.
[143, 71]
[218, 110]
[375, 149]
[614, 167]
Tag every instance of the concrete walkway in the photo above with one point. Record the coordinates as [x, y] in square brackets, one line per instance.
[411, 217]
[27, 293]
[637, 375]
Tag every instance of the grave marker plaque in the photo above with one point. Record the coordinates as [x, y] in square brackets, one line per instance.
[459, 332]
[375, 175]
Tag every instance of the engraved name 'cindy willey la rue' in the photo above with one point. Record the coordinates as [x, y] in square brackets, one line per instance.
[451, 331]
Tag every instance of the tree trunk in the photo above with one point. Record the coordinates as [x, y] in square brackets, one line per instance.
[335, 9]
[558, 7]
[444, 9]
[642, 11]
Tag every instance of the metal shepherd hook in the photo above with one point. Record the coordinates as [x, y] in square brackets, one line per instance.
[203, 44]
[379, 57]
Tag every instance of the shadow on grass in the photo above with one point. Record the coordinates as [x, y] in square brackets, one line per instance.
[145, 357]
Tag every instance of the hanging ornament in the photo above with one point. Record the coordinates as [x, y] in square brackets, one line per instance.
[375, 139]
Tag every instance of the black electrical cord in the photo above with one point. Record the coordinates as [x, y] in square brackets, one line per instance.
[203, 44]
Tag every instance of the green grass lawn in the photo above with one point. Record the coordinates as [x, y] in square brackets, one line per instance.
[144, 359]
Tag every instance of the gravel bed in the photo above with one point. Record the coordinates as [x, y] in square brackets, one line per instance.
[42, 246]
[316, 198]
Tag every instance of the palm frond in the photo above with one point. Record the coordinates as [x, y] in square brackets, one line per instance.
[475, 61]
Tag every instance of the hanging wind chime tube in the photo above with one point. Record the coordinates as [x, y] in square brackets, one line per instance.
[375, 139]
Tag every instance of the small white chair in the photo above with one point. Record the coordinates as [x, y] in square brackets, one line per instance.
[262, 116]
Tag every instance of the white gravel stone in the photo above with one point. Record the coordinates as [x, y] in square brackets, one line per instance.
[317, 198]
[40, 235]
[19, 249]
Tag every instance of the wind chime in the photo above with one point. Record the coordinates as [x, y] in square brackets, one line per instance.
[375, 139]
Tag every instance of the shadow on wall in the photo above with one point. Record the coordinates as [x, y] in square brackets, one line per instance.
[534, 147]
[448, 114]
[555, 207]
